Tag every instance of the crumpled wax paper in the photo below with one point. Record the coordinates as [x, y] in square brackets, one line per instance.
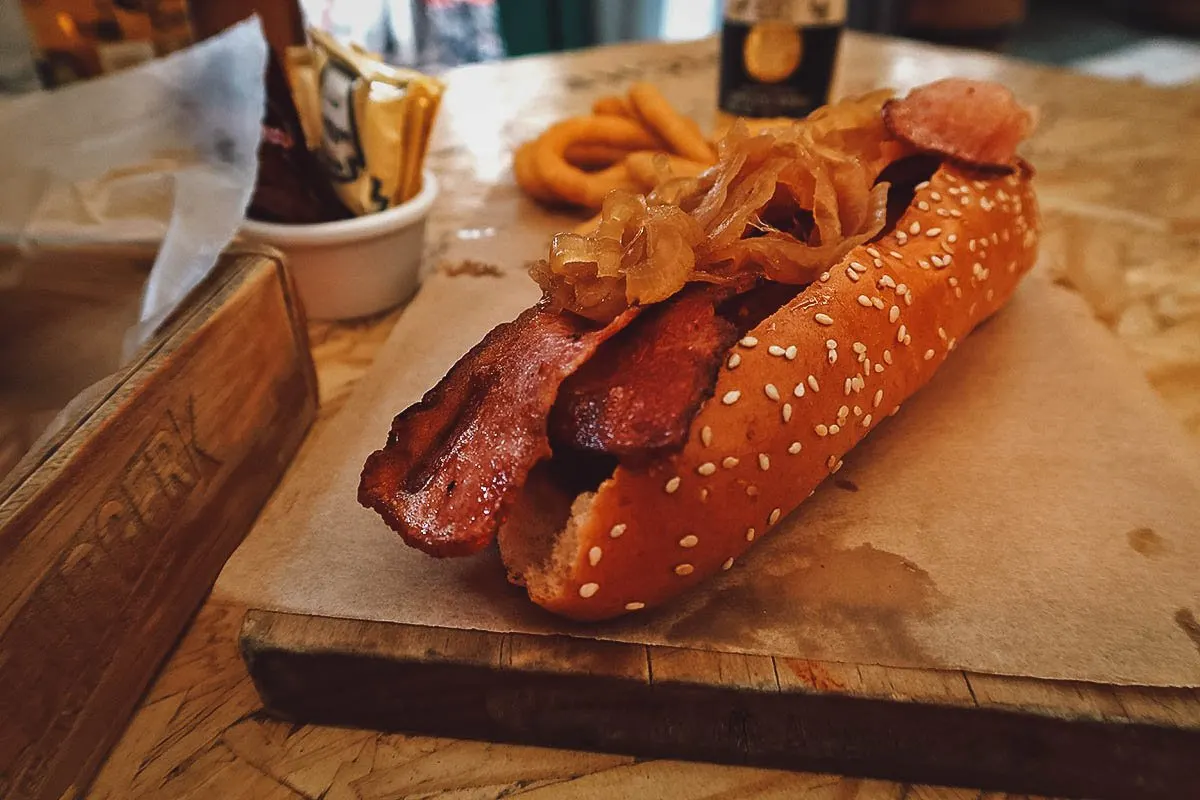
[163, 154]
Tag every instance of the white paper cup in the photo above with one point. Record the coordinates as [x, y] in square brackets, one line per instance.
[354, 267]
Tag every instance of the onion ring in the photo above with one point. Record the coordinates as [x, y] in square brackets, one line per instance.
[528, 178]
[678, 131]
[592, 155]
[572, 184]
[613, 105]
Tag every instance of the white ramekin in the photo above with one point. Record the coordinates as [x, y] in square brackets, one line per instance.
[354, 267]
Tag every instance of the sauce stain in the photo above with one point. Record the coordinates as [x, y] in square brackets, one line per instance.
[1147, 542]
[816, 599]
[1188, 623]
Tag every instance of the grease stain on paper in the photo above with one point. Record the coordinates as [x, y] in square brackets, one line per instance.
[1147, 542]
[836, 600]
[1188, 623]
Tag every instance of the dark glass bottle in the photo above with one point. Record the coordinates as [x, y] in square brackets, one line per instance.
[778, 56]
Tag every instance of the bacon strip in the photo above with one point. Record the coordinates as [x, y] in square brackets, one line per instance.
[976, 122]
[637, 396]
[454, 461]
[640, 391]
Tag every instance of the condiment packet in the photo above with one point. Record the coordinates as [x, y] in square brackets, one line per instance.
[375, 121]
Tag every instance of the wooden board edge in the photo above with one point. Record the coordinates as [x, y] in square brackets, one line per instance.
[457, 683]
[223, 280]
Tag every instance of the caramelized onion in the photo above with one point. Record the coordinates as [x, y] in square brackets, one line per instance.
[784, 203]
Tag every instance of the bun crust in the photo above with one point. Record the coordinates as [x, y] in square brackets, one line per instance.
[794, 396]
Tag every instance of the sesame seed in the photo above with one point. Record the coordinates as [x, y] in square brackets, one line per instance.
[823, 319]
[849, 386]
[684, 569]
[932, 232]
[752, 491]
[617, 530]
[964, 201]
[863, 300]
[689, 541]
[706, 436]
[821, 429]
[836, 466]
[872, 252]
[734, 360]
[902, 289]
[858, 412]
[953, 190]
[923, 263]
[894, 254]
[588, 589]
[937, 260]
[923, 205]
[915, 228]
[953, 281]
[895, 411]
[672, 485]
[851, 274]
[908, 301]
[835, 429]
[731, 397]
[750, 534]
[929, 355]
[704, 495]
[878, 303]
[922, 185]
[859, 383]
[859, 347]
[634, 606]
[728, 564]
[764, 462]
[843, 412]
[971, 245]
[775, 350]
[878, 368]
[893, 314]
[950, 345]
[941, 212]
[829, 462]
[887, 356]
[942, 334]
[958, 292]
[989, 295]
[952, 238]
[935, 196]
[707, 468]
[831, 344]
[799, 390]
[748, 341]
[878, 398]
[812, 383]
[901, 332]
[795, 447]
[790, 352]
[594, 556]
[866, 423]
[901, 238]
[887, 281]
[729, 462]
[770, 391]
[857, 267]
[832, 356]
[787, 412]
[774, 517]
[824, 277]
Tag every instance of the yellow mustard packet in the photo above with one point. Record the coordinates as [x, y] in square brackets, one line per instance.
[371, 122]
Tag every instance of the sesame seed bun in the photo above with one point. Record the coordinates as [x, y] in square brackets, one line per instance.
[795, 394]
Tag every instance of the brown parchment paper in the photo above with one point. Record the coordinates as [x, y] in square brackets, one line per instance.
[1033, 511]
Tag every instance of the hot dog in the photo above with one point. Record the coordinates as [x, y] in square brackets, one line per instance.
[706, 357]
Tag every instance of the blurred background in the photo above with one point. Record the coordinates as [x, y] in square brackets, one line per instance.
[55, 41]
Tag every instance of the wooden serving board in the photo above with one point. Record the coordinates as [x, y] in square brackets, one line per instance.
[113, 527]
[947, 727]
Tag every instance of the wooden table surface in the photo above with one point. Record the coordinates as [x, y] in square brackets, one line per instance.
[1118, 180]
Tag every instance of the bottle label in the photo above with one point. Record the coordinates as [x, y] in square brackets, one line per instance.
[775, 68]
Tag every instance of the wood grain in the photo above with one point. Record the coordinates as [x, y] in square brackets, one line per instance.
[1121, 213]
[114, 529]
